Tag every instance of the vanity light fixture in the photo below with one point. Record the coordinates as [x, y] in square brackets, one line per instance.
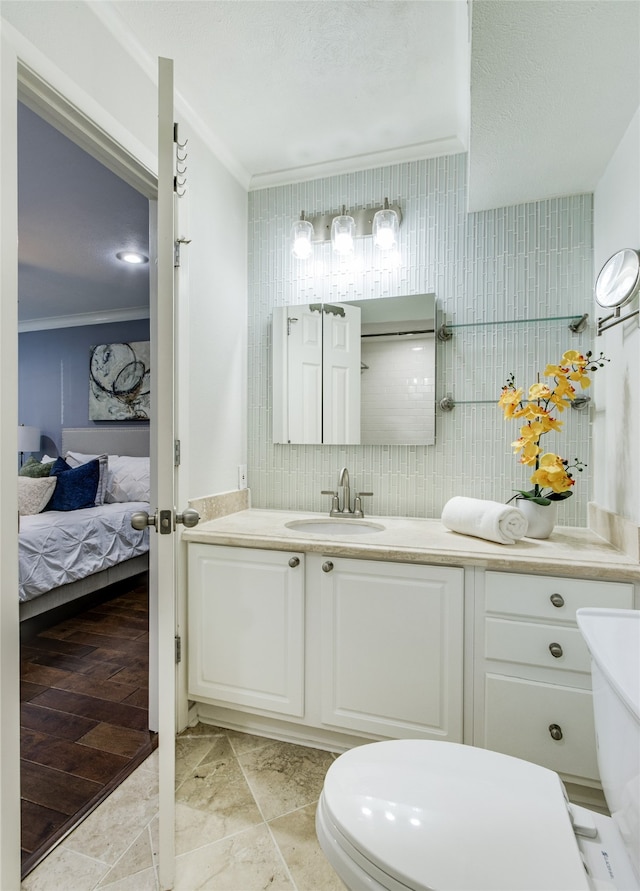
[342, 228]
[386, 227]
[133, 257]
[301, 236]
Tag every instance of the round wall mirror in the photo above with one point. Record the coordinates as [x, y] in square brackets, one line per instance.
[619, 279]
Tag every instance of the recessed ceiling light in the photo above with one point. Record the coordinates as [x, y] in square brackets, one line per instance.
[132, 257]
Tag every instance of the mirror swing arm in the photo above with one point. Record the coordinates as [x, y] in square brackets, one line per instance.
[618, 282]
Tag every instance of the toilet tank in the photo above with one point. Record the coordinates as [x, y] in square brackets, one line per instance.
[613, 639]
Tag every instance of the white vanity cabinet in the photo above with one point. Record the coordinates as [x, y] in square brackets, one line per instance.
[246, 628]
[533, 684]
[392, 648]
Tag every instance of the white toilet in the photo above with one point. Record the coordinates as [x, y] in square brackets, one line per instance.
[437, 816]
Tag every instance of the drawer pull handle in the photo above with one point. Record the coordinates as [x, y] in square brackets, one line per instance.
[294, 561]
[556, 732]
[556, 650]
[557, 600]
[327, 566]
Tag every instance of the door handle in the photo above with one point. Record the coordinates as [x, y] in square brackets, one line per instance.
[189, 518]
[164, 521]
[141, 519]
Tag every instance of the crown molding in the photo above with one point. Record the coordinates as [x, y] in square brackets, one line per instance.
[85, 318]
[435, 148]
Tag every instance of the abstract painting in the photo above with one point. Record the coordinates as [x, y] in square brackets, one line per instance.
[119, 382]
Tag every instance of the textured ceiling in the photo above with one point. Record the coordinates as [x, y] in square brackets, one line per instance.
[554, 85]
[290, 86]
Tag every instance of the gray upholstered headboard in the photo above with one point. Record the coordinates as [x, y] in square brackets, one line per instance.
[107, 440]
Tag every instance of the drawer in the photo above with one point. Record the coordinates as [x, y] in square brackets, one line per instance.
[514, 594]
[530, 643]
[518, 715]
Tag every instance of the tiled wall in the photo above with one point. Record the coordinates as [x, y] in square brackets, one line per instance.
[526, 262]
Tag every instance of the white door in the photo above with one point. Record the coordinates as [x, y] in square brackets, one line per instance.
[341, 374]
[163, 549]
[304, 350]
[163, 480]
[9, 621]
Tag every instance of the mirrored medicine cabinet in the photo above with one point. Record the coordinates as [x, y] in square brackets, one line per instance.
[355, 372]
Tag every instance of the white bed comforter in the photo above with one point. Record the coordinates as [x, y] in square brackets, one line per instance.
[57, 547]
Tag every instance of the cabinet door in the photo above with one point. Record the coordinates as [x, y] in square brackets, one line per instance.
[392, 639]
[246, 628]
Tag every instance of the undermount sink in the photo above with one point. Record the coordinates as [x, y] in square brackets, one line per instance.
[333, 526]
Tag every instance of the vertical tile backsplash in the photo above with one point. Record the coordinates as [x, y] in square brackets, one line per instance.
[531, 261]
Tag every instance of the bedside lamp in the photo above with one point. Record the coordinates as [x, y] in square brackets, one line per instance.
[28, 440]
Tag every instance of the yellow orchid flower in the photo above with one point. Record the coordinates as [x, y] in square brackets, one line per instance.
[573, 357]
[555, 371]
[581, 377]
[530, 450]
[551, 473]
[539, 391]
[509, 402]
[550, 423]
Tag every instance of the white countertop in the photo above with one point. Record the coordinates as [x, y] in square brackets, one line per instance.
[569, 551]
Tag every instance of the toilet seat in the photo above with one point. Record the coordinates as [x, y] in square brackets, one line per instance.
[438, 816]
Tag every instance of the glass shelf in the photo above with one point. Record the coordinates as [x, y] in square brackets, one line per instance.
[577, 324]
[448, 403]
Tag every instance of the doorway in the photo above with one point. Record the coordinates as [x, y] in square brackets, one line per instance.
[70, 686]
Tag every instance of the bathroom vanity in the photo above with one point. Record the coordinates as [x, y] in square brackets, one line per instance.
[336, 638]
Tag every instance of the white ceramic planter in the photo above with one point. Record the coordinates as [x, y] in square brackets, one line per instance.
[541, 517]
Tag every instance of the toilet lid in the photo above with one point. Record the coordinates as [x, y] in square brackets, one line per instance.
[439, 816]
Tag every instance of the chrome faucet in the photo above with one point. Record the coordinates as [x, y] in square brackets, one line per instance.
[341, 498]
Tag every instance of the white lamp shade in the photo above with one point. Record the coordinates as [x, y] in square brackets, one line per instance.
[386, 226]
[343, 230]
[28, 439]
[301, 235]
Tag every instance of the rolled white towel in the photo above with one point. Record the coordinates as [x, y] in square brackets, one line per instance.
[484, 519]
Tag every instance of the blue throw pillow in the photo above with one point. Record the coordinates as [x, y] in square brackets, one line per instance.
[76, 487]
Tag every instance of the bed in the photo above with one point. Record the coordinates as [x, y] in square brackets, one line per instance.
[67, 554]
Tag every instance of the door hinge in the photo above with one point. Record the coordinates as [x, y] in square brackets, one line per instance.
[290, 322]
[176, 453]
[176, 250]
[178, 649]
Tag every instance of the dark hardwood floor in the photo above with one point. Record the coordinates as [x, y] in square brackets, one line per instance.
[84, 719]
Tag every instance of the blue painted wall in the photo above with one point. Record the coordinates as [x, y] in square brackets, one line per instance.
[53, 376]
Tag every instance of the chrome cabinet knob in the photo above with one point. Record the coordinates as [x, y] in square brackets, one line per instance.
[327, 566]
[293, 562]
[557, 600]
[556, 732]
[556, 650]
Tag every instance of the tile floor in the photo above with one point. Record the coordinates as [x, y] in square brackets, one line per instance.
[245, 810]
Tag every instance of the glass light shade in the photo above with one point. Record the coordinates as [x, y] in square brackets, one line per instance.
[301, 234]
[385, 229]
[343, 230]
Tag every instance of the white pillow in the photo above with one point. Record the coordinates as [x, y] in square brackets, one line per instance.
[128, 479]
[34, 494]
[76, 459]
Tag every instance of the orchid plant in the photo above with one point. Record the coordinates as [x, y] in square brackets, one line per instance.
[552, 477]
